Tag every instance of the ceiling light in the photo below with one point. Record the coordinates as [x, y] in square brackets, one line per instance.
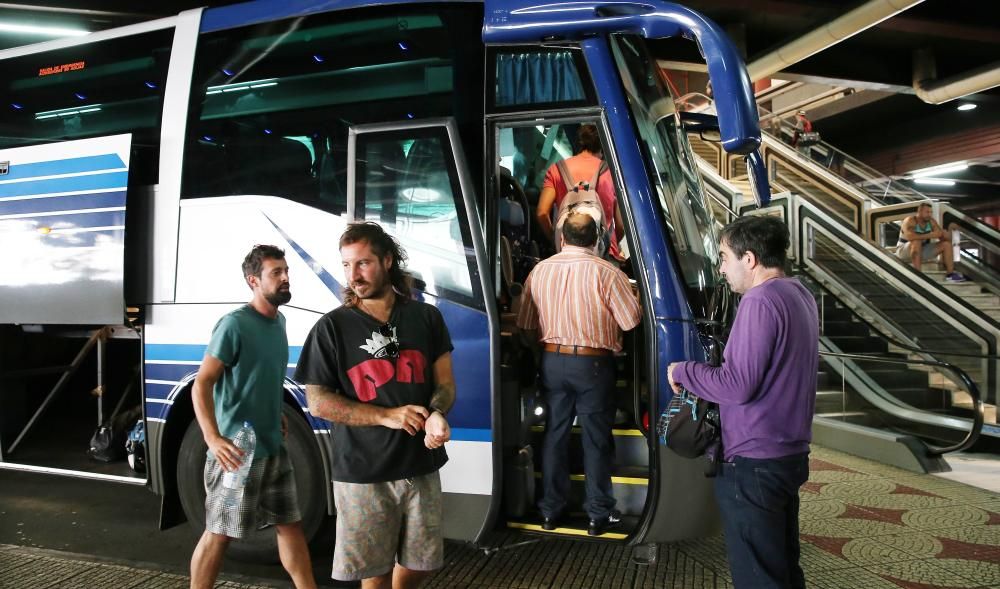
[37, 30]
[934, 181]
[967, 106]
[940, 169]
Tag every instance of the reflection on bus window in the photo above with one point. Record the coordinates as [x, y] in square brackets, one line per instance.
[272, 103]
[90, 90]
[671, 163]
[407, 182]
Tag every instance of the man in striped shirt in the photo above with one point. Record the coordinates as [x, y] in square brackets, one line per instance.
[580, 304]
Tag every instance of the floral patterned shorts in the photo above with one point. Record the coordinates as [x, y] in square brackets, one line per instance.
[380, 524]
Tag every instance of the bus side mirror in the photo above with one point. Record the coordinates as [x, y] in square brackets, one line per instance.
[704, 125]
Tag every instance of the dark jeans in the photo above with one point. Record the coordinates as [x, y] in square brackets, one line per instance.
[759, 501]
[581, 386]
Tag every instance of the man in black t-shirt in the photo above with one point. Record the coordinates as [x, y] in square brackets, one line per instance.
[379, 369]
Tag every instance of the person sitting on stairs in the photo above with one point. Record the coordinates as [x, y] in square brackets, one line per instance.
[917, 242]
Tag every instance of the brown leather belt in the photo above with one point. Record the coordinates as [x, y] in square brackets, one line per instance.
[577, 350]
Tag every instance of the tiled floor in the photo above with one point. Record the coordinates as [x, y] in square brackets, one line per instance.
[863, 524]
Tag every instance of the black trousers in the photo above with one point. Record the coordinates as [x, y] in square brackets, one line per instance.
[581, 386]
[759, 502]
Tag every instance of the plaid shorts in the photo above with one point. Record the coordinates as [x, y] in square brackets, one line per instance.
[380, 524]
[269, 497]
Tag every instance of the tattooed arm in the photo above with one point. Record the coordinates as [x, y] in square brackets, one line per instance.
[332, 406]
[438, 430]
[444, 385]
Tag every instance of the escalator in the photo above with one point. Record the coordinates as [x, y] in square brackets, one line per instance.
[907, 358]
[924, 358]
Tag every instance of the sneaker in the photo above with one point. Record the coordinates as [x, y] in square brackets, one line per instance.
[955, 277]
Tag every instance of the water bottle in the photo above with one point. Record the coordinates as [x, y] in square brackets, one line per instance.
[233, 483]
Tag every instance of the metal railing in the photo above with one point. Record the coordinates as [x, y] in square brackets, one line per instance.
[884, 401]
[907, 305]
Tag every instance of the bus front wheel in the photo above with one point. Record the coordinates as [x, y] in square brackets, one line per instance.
[261, 545]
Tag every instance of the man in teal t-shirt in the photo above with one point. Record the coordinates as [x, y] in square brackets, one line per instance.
[240, 380]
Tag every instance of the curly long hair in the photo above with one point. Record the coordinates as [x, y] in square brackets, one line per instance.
[382, 245]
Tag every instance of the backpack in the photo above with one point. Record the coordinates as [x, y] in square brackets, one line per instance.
[135, 447]
[691, 427]
[582, 197]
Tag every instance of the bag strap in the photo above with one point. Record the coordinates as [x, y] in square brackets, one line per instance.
[597, 175]
[564, 172]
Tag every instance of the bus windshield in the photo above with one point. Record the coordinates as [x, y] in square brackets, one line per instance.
[671, 165]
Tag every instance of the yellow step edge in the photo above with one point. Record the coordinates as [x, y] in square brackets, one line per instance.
[619, 480]
[566, 531]
[615, 432]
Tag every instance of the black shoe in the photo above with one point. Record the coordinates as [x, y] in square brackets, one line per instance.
[551, 523]
[599, 526]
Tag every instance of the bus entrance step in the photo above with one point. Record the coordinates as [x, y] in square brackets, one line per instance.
[576, 525]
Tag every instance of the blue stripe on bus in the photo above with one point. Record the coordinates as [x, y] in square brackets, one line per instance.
[247, 13]
[78, 220]
[71, 184]
[75, 165]
[195, 352]
[471, 435]
[322, 273]
[70, 202]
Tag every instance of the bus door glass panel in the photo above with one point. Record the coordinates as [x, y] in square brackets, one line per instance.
[407, 181]
[670, 162]
[525, 153]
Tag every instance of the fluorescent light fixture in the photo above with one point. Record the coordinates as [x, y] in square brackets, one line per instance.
[967, 106]
[239, 86]
[37, 30]
[66, 112]
[934, 181]
[938, 170]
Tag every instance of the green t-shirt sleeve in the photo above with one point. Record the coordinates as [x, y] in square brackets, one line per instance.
[225, 342]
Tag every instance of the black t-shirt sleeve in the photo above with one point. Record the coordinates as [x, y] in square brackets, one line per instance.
[318, 364]
[440, 338]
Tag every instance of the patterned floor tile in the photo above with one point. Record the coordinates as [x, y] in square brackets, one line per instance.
[849, 491]
[869, 527]
[824, 528]
[853, 577]
[987, 536]
[922, 572]
[904, 501]
[977, 572]
[946, 517]
[917, 544]
[815, 558]
[835, 476]
[870, 551]
[821, 509]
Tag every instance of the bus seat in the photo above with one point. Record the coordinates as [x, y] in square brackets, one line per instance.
[383, 167]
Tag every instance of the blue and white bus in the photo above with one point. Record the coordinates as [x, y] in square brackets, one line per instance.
[138, 165]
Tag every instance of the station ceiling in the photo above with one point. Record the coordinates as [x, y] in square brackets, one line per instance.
[879, 119]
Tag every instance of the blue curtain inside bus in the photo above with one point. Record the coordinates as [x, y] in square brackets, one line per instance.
[528, 78]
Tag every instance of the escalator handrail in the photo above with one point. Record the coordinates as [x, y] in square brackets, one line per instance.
[718, 183]
[977, 402]
[978, 231]
[912, 348]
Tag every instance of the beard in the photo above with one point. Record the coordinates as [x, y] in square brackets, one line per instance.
[370, 290]
[279, 297]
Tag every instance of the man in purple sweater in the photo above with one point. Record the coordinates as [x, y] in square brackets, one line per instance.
[766, 391]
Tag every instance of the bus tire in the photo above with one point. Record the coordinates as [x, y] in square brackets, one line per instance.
[262, 545]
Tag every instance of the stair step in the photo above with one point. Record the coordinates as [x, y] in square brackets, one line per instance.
[964, 400]
[576, 525]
